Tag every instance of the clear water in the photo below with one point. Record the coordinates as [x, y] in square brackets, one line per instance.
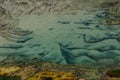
[66, 39]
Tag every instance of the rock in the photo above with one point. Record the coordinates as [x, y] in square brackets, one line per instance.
[83, 60]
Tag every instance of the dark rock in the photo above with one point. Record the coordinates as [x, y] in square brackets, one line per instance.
[64, 22]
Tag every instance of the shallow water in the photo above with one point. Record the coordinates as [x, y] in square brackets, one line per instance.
[67, 39]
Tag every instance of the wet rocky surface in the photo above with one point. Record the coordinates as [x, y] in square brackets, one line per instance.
[41, 71]
[81, 37]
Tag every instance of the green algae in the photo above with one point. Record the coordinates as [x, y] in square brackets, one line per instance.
[10, 77]
[114, 73]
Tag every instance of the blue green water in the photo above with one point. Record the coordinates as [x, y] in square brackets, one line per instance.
[65, 39]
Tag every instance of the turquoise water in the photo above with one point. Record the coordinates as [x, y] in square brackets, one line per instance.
[66, 39]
